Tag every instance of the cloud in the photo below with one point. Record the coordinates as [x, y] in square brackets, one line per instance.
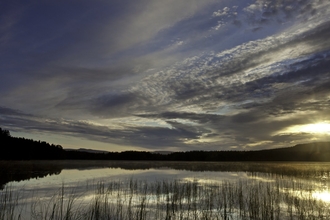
[279, 11]
[247, 66]
[114, 105]
[8, 111]
[201, 75]
[146, 137]
[224, 12]
[164, 14]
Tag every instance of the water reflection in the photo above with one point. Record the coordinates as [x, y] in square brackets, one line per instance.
[57, 172]
[323, 192]
[322, 195]
[249, 188]
[20, 171]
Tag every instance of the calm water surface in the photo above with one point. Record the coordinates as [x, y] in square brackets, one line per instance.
[83, 178]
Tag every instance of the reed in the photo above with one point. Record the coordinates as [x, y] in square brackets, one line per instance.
[171, 200]
[9, 204]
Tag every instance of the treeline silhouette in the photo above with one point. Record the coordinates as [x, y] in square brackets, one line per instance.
[13, 148]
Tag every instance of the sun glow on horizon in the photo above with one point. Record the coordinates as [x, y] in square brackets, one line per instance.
[317, 128]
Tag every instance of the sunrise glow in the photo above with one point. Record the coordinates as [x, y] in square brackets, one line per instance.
[317, 128]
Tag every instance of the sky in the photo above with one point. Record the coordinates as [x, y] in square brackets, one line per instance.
[166, 75]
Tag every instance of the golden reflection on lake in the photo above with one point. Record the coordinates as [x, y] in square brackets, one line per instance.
[322, 195]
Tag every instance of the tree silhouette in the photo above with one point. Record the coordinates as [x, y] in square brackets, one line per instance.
[12, 148]
[4, 133]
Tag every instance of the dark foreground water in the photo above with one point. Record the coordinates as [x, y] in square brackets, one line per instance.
[164, 190]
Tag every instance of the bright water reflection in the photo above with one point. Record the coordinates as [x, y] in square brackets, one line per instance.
[322, 195]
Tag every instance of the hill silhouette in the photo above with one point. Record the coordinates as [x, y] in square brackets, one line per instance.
[319, 151]
[13, 148]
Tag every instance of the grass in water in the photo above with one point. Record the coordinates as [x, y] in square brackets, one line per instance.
[169, 200]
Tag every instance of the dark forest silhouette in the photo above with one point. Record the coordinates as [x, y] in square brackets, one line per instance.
[13, 148]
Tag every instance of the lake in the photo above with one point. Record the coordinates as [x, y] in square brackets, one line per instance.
[164, 190]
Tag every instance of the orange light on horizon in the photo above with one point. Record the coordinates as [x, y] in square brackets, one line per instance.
[317, 128]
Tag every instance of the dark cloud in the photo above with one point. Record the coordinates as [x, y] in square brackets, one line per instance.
[244, 118]
[237, 23]
[142, 136]
[114, 105]
[8, 111]
[256, 29]
[195, 117]
[121, 104]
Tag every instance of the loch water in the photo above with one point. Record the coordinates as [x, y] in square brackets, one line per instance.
[164, 190]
